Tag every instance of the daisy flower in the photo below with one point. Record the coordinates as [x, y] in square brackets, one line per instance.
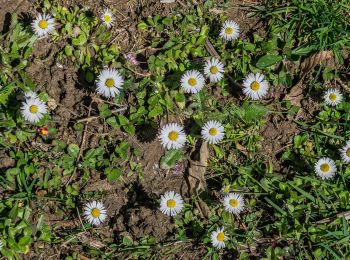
[192, 81]
[226, 189]
[1, 244]
[229, 30]
[33, 109]
[43, 24]
[172, 136]
[95, 213]
[30, 94]
[213, 132]
[213, 69]
[109, 83]
[171, 203]
[333, 97]
[255, 86]
[325, 168]
[107, 18]
[218, 238]
[233, 203]
[345, 152]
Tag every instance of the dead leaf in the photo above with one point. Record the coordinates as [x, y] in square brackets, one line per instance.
[82, 257]
[242, 149]
[204, 154]
[196, 172]
[295, 93]
[196, 179]
[316, 59]
[91, 242]
[41, 192]
[203, 208]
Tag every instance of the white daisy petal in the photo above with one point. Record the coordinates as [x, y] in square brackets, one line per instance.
[109, 83]
[214, 69]
[30, 94]
[108, 18]
[218, 238]
[333, 97]
[95, 212]
[43, 25]
[254, 86]
[345, 152]
[230, 30]
[172, 136]
[212, 132]
[325, 168]
[171, 203]
[233, 203]
[33, 109]
[192, 81]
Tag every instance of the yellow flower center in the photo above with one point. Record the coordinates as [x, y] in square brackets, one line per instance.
[213, 131]
[107, 18]
[348, 152]
[226, 189]
[214, 70]
[43, 24]
[255, 86]
[234, 203]
[332, 96]
[95, 212]
[109, 83]
[325, 167]
[171, 203]
[220, 237]
[229, 30]
[192, 82]
[173, 135]
[33, 109]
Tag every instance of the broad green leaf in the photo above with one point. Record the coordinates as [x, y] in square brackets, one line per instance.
[170, 158]
[73, 150]
[268, 60]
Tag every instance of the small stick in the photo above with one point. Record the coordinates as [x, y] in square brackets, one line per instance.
[90, 118]
[80, 150]
[146, 74]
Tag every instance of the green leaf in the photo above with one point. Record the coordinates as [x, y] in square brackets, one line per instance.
[112, 121]
[142, 26]
[73, 150]
[123, 120]
[268, 60]
[170, 158]
[122, 150]
[68, 50]
[168, 44]
[158, 110]
[113, 174]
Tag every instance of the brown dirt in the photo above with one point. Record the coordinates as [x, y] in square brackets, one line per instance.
[278, 134]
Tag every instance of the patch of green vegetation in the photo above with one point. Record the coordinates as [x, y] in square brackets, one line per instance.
[312, 25]
[287, 213]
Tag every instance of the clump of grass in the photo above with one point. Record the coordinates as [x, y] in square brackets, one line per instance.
[314, 25]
